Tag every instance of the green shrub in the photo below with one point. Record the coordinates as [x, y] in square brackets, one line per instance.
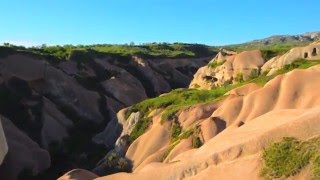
[196, 142]
[239, 78]
[175, 131]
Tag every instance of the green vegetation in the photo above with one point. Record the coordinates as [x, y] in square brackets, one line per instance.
[182, 135]
[273, 51]
[289, 156]
[114, 162]
[140, 127]
[300, 64]
[239, 78]
[215, 64]
[254, 74]
[186, 134]
[159, 50]
[176, 131]
[151, 50]
[176, 100]
[196, 142]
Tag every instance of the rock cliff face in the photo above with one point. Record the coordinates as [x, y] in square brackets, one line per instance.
[69, 108]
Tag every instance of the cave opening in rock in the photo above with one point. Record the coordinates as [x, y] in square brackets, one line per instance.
[314, 52]
[210, 78]
[305, 55]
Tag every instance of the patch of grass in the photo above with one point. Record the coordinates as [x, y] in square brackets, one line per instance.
[284, 158]
[139, 128]
[215, 64]
[289, 156]
[300, 64]
[175, 131]
[182, 135]
[186, 134]
[239, 78]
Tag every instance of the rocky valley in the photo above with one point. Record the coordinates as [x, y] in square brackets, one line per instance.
[170, 111]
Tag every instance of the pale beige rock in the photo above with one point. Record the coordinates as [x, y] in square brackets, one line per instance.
[292, 90]
[190, 115]
[184, 145]
[311, 52]
[234, 65]
[244, 90]
[154, 139]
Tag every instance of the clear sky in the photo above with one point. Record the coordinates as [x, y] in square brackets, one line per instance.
[213, 22]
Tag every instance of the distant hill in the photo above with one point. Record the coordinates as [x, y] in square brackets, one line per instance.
[278, 40]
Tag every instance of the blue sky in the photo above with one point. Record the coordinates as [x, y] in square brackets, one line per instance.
[213, 22]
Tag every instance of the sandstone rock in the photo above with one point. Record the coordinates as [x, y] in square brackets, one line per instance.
[78, 174]
[228, 68]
